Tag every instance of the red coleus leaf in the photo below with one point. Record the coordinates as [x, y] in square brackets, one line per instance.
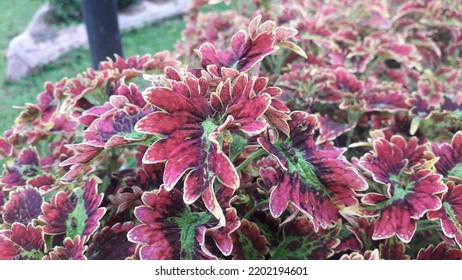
[27, 166]
[57, 153]
[23, 206]
[116, 126]
[135, 65]
[277, 113]
[317, 182]
[362, 229]
[403, 53]
[386, 97]
[246, 51]
[2, 202]
[330, 130]
[222, 234]
[28, 157]
[407, 194]
[72, 249]
[159, 61]
[393, 249]
[5, 147]
[450, 157]
[43, 182]
[300, 241]
[88, 116]
[123, 95]
[62, 123]
[22, 242]
[394, 155]
[249, 48]
[169, 229]
[453, 104]
[49, 100]
[440, 252]
[357, 256]
[190, 123]
[44, 117]
[125, 199]
[249, 243]
[84, 154]
[111, 243]
[348, 243]
[76, 213]
[314, 30]
[29, 113]
[109, 125]
[132, 93]
[450, 214]
[344, 87]
[420, 106]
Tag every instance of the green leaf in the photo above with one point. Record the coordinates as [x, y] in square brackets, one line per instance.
[456, 171]
[33, 254]
[133, 135]
[452, 217]
[297, 163]
[75, 223]
[236, 147]
[188, 222]
[296, 248]
[414, 125]
[250, 253]
[96, 97]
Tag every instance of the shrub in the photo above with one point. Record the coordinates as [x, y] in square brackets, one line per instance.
[324, 130]
[69, 10]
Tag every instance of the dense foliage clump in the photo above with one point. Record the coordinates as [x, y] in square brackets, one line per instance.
[314, 130]
[67, 11]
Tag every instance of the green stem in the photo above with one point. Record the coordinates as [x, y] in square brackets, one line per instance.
[148, 141]
[253, 156]
[353, 117]
[428, 225]
[266, 201]
[349, 137]
[278, 62]
[434, 227]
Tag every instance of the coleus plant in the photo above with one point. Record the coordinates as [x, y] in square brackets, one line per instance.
[309, 134]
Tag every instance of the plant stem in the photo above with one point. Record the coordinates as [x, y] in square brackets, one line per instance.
[428, 225]
[253, 156]
[353, 117]
[255, 208]
[278, 61]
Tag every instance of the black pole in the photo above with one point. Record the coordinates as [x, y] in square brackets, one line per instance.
[100, 17]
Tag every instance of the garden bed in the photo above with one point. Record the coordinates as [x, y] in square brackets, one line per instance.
[338, 139]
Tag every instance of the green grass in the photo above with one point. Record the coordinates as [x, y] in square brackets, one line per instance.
[14, 19]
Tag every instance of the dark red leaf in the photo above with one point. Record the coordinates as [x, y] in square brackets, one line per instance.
[23, 206]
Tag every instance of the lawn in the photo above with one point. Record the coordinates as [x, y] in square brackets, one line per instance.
[15, 16]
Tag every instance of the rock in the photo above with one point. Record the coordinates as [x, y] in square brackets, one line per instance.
[42, 43]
